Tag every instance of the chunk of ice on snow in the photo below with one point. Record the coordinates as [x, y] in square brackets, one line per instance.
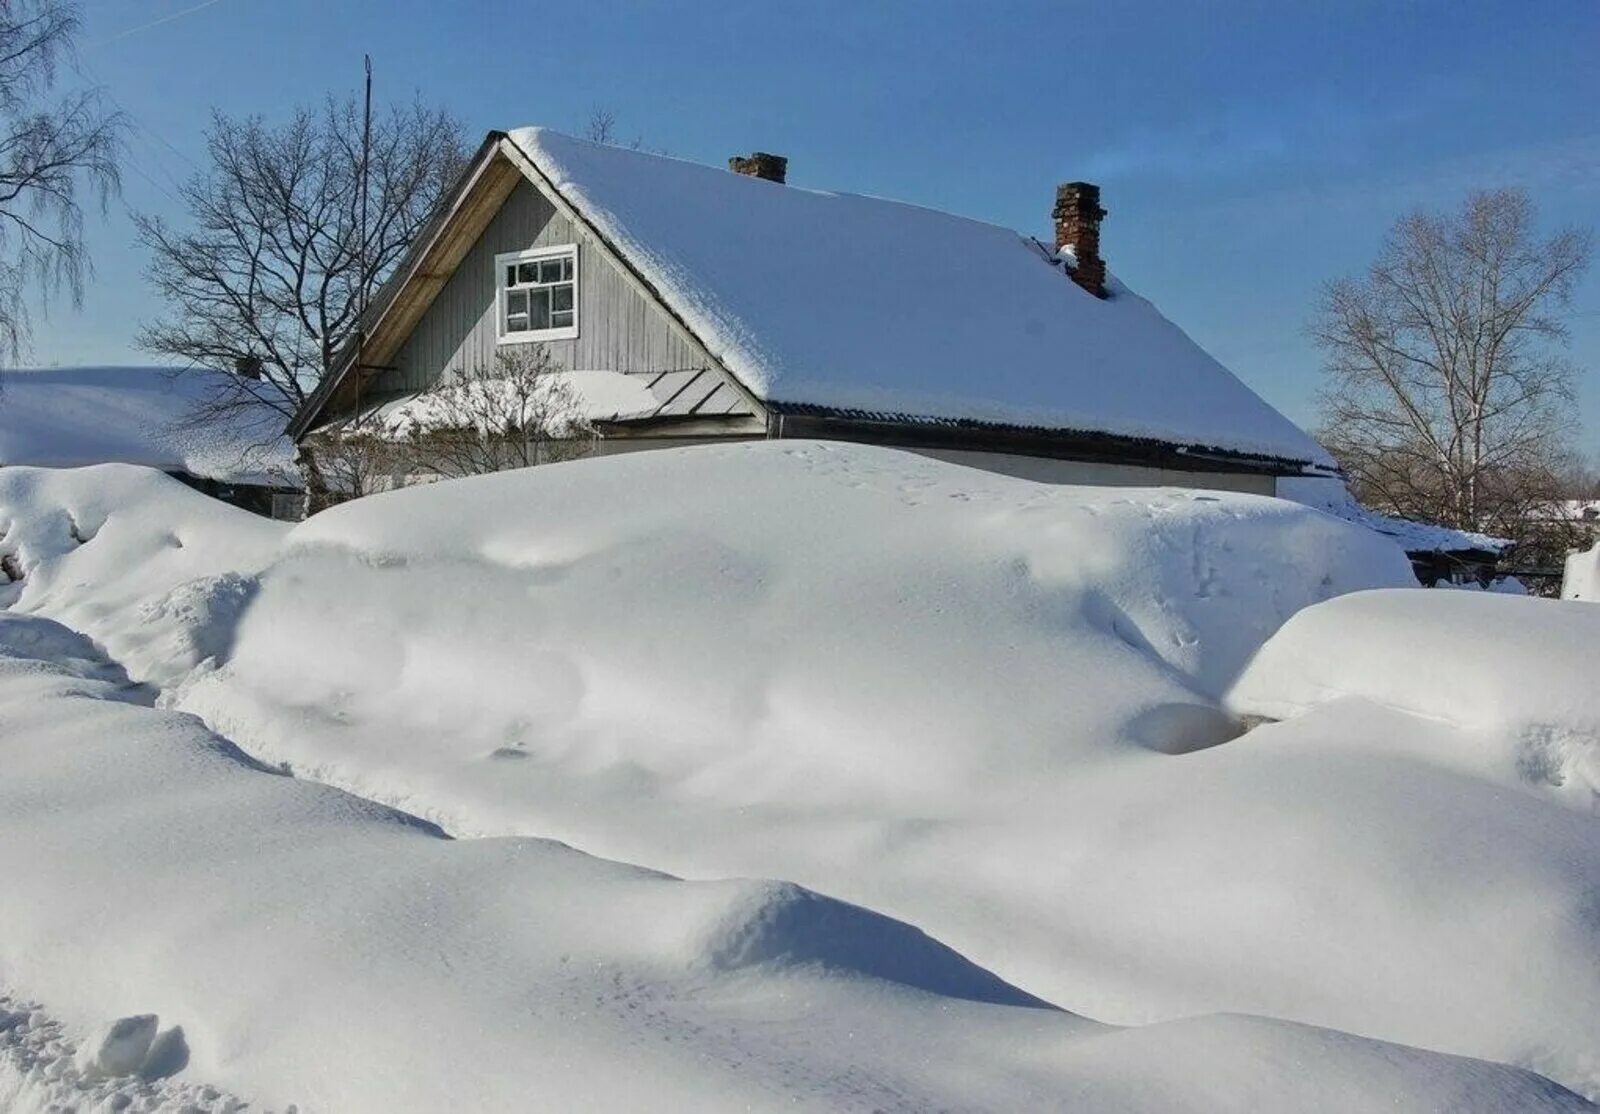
[119, 1048]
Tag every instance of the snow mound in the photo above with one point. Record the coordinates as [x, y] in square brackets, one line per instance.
[151, 569]
[777, 615]
[1515, 673]
[980, 706]
[393, 970]
[782, 925]
[727, 253]
[77, 416]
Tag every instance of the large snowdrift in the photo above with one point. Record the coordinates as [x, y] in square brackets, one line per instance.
[297, 945]
[949, 696]
[75, 416]
[1515, 674]
[921, 313]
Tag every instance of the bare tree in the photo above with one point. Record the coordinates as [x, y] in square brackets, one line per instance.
[515, 413]
[1449, 397]
[51, 152]
[270, 276]
[361, 457]
[601, 126]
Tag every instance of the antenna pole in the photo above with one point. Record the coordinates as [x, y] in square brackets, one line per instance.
[366, 154]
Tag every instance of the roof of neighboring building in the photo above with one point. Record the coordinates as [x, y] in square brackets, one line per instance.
[1330, 494]
[822, 300]
[69, 417]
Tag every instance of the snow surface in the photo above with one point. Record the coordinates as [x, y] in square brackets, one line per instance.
[989, 708]
[302, 946]
[854, 302]
[165, 587]
[74, 416]
[1329, 494]
[1528, 708]
[1580, 580]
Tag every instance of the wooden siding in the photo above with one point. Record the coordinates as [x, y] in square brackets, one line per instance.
[619, 329]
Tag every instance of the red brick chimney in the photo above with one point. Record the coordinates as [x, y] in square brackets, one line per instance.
[773, 168]
[1078, 216]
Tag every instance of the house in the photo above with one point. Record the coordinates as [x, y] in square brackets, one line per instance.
[71, 417]
[689, 303]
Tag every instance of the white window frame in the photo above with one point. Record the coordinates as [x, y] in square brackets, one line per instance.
[510, 258]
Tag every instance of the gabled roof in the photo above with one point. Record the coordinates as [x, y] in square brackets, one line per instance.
[71, 417]
[839, 302]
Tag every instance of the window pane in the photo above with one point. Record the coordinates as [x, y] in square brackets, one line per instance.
[511, 275]
[561, 297]
[517, 302]
[517, 323]
[528, 272]
[561, 319]
[550, 270]
[539, 317]
[566, 268]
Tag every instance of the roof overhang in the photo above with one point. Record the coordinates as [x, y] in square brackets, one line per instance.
[1088, 446]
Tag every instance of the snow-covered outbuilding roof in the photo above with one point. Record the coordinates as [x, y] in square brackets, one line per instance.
[70, 417]
[817, 301]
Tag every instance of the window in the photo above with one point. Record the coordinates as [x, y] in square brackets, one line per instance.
[538, 294]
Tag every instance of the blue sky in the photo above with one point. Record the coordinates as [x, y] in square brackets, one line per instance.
[1247, 151]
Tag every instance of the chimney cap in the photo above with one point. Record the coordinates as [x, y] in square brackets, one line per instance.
[761, 164]
[1084, 196]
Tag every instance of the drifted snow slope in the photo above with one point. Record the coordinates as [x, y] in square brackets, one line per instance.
[303, 946]
[167, 579]
[946, 695]
[1514, 675]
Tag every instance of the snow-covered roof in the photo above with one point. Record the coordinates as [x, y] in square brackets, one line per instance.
[836, 300]
[68, 417]
[1332, 496]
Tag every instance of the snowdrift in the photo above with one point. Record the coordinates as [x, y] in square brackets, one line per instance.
[985, 707]
[293, 944]
[169, 574]
[1515, 674]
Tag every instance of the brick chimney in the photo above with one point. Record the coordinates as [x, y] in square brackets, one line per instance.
[773, 168]
[1078, 216]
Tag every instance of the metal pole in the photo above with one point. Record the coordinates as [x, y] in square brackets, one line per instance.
[366, 154]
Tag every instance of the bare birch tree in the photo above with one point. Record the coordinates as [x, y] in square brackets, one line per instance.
[1449, 396]
[53, 150]
[271, 271]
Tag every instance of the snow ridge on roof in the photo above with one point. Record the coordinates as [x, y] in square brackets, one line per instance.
[853, 302]
[70, 417]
